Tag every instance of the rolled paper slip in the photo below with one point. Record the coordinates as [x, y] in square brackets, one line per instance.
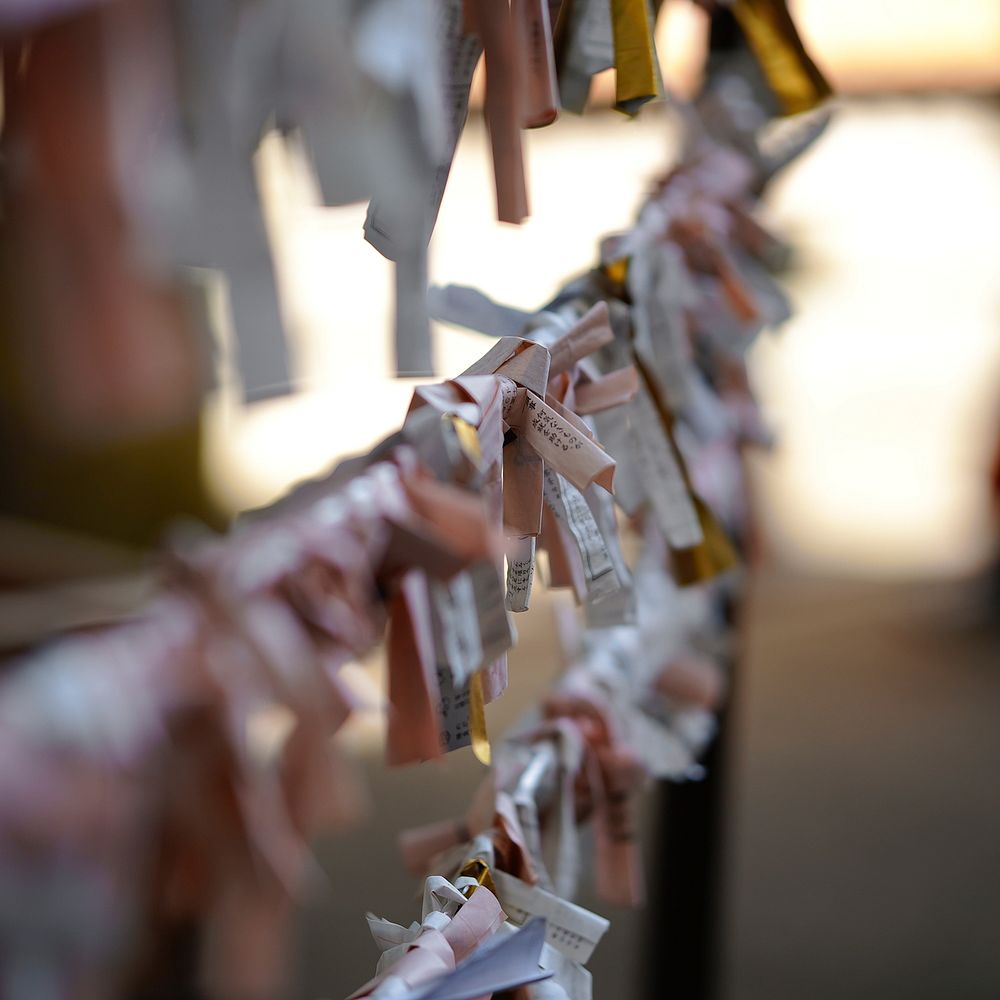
[462, 52]
[547, 784]
[495, 632]
[504, 104]
[541, 97]
[223, 225]
[611, 775]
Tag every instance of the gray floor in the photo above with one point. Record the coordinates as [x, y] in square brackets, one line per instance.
[866, 839]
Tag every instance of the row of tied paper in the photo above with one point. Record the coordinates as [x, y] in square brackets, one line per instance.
[658, 334]
[143, 793]
[130, 128]
[138, 789]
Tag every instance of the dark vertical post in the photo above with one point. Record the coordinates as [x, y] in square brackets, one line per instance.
[682, 934]
[683, 943]
[683, 948]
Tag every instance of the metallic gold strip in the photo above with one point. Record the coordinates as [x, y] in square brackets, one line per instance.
[635, 55]
[477, 721]
[771, 34]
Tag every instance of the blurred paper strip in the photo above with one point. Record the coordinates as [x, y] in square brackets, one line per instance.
[793, 76]
[635, 56]
[104, 340]
[541, 90]
[505, 101]
[25, 14]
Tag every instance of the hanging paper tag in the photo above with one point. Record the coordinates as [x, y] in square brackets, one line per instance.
[453, 709]
[461, 54]
[541, 90]
[617, 608]
[590, 49]
[495, 633]
[456, 626]
[635, 56]
[569, 928]
[615, 435]
[520, 572]
[658, 466]
[662, 291]
[571, 510]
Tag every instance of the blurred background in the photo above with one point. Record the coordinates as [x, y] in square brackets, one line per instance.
[862, 817]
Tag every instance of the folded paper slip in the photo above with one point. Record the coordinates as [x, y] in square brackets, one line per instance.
[453, 927]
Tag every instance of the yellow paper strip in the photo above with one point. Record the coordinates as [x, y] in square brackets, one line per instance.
[468, 438]
[477, 721]
[715, 553]
[480, 871]
[635, 55]
[795, 79]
